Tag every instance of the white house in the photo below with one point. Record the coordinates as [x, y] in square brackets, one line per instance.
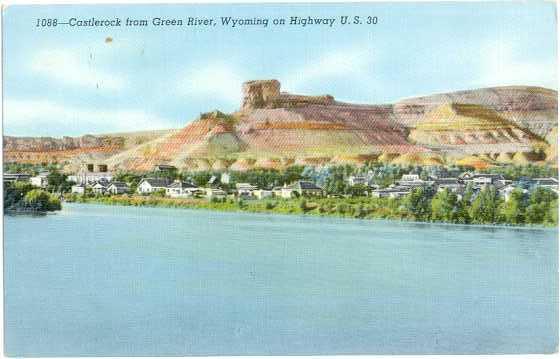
[91, 177]
[99, 188]
[85, 177]
[484, 179]
[150, 185]
[451, 184]
[40, 180]
[215, 193]
[245, 189]
[116, 187]
[286, 192]
[225, 178]
[307, 188]
[182, 189]
[413, 180]
[263, 193]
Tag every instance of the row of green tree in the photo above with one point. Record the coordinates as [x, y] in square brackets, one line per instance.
[540, 206]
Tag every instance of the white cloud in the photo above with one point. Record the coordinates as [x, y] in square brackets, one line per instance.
[500, 67]
[213, 81]
[50, 118]
[74, 67]
[344, 62]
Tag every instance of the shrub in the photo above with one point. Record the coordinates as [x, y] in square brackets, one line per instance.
[40, 200]
[158, 193]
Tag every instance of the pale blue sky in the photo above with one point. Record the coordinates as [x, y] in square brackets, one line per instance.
[68, 81]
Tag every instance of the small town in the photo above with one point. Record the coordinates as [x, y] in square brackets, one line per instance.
[413, 193]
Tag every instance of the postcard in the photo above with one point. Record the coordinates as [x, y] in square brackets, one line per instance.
[280, 179]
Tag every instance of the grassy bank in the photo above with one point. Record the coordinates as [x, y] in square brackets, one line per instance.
[358, 207]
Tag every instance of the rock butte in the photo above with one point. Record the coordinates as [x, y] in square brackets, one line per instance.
[275, 129]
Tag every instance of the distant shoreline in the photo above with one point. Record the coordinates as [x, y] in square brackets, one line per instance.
[282, 207]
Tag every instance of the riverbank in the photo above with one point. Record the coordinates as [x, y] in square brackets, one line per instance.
[359, 207]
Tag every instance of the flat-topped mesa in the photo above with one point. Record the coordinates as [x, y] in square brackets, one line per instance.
[266, 94]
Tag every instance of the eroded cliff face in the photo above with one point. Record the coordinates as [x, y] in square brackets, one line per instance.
[531, 108]
[59, 144]
[472, 129]
[72, 149]
[274, 129]
[52, 150]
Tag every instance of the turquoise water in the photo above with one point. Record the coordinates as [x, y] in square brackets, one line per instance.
[108, 280]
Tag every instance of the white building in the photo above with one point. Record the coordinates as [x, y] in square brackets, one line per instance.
[411, 177]
[357, 180]
[117, 188]
[286, 192]
[225, 178]
[215, 193]
[451, 184]
[90, 177]
[182, 189]
[484, 179]
[245, 189]
[391, 192]
[307, 188]
[413, 180]
[263, 193]
[150, 185]
[40, 180]
[99, 188]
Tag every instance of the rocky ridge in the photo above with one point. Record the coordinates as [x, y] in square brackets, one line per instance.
[274, 129]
